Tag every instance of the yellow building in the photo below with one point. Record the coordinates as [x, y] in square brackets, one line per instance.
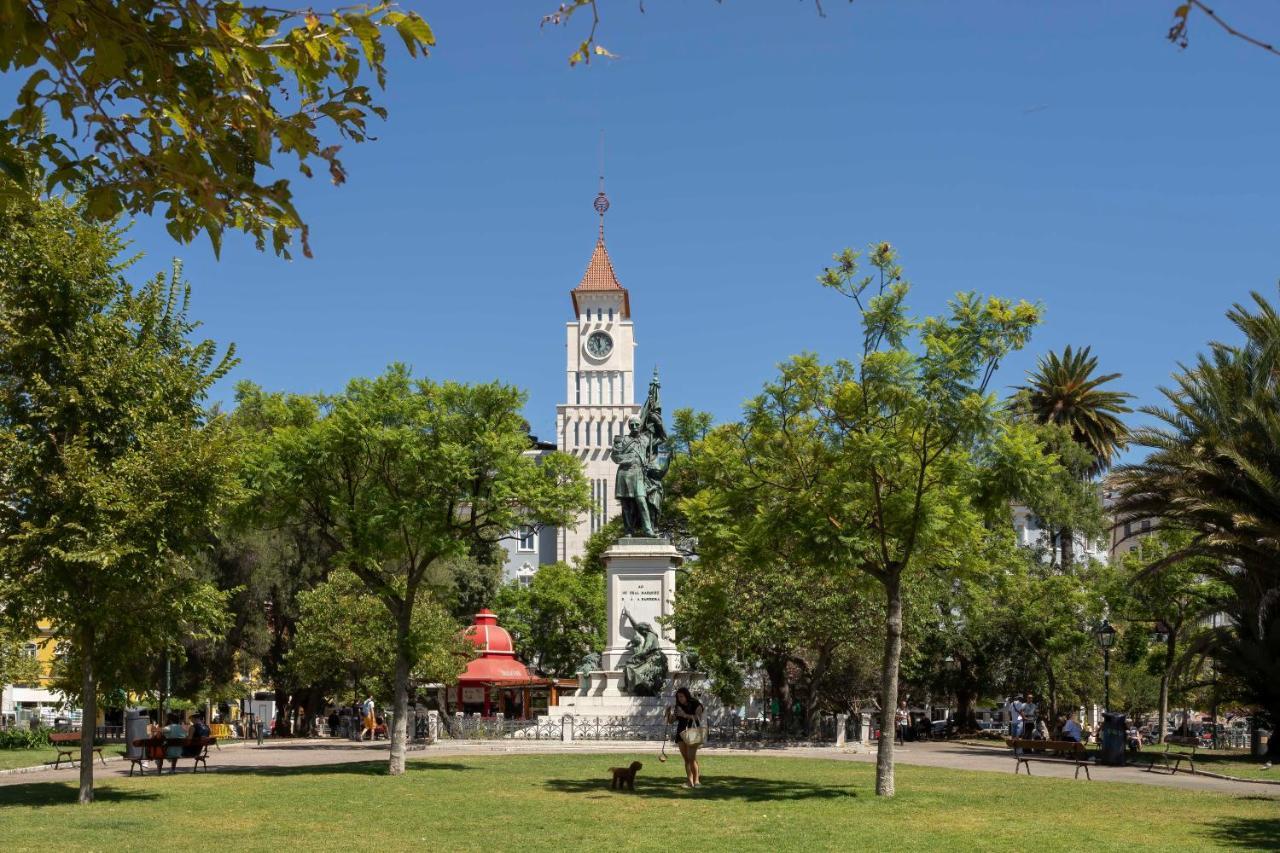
[20, 702]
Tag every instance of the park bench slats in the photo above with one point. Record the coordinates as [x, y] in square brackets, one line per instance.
[153, 750]
[1175, 757]
[68, 744]
[1068, 750]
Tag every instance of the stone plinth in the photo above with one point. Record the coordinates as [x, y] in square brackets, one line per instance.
[640, 577]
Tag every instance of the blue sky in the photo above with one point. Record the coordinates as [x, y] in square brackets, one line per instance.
[1060, 153]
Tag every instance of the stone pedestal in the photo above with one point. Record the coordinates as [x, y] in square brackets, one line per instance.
[640, 577]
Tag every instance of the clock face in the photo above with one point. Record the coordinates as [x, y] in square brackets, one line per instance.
[599, 344]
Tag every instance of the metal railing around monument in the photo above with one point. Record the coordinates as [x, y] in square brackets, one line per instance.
[726, 731]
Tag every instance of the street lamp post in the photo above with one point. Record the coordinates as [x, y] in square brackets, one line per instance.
[1106, 639]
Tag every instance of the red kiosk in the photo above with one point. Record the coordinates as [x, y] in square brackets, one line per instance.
[493, 681]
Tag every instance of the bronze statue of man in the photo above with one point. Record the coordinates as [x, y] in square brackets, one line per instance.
[642, 463]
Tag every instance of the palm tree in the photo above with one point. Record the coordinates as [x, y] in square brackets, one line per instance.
[1214, 470]
[1064, 391]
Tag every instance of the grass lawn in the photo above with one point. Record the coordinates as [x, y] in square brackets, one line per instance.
[11, 758]
[562, 802]
[1229, 762]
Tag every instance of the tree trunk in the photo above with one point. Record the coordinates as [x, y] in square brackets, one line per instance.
[1053, 697]
[1068, 543]
[966, 718]
[889, 684]
[88, 718]
[400, 704]
[1166, 675]
[777, 671]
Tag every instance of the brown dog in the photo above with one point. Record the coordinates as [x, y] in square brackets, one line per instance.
[624, 777]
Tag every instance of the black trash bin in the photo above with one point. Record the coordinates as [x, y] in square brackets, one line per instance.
[1114, 729]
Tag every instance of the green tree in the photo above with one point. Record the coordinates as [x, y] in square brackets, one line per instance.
[872, 465]
[1177, 600]
[192, 108]
[555, 620]
[1214, 471]
[114, 470]
[1064, 392]
[346, 641]
[397, 473]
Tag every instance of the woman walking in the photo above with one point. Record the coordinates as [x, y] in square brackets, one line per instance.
[688, 714]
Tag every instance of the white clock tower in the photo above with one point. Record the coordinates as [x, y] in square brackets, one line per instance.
[599, 387]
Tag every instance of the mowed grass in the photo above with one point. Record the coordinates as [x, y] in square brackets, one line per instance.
[1229, 762]
[562, 802]
[12, 758]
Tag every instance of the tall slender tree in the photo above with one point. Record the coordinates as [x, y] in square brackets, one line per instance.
[871, 466]
[113, 468]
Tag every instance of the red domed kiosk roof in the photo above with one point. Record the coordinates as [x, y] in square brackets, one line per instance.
[497, 661]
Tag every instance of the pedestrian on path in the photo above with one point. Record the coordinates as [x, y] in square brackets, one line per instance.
[902, 721]
[370, 720]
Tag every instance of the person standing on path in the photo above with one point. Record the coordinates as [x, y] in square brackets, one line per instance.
[688, 714]
[370, 722]
[902, 721]
[1028, 710]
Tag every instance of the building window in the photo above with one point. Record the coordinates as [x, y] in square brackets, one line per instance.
[599, 432]
[1146, 525]
[610, 315]
[29, 650]
[1128, 529]
[525, 575]
[528, 540]
[577, 438]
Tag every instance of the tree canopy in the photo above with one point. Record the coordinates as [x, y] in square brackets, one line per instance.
[397, 473]
[114, 470]
[194, 110]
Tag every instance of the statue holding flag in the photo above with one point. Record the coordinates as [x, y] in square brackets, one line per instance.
[643, 458]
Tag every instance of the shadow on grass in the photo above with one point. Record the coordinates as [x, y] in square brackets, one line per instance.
[66, 793]
[1247, 833]
[743, 788]
[356, 768]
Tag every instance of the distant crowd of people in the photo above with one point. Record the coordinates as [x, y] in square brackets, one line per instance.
[1023, 716]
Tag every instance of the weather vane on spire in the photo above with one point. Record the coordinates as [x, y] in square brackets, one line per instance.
[602, 201]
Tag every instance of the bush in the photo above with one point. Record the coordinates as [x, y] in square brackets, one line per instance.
[22, 737]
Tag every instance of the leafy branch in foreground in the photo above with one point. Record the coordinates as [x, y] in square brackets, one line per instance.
[190, 107]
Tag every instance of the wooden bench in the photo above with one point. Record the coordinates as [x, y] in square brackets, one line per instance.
[202, 753]
[1176, 757]
[68, 744]
[1063, 750]
[153, 749]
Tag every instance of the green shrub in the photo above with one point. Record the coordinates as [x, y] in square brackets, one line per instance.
[24, 738]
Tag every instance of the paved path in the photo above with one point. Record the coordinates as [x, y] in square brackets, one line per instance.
[297, 753]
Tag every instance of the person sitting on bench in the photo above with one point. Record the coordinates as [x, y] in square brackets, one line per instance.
[174, 734]
[199, 730]
[1071, 729]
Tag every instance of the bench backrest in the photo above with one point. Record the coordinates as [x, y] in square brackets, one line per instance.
[64, 737]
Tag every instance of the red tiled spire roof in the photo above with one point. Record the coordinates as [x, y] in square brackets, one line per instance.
[601, 277]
